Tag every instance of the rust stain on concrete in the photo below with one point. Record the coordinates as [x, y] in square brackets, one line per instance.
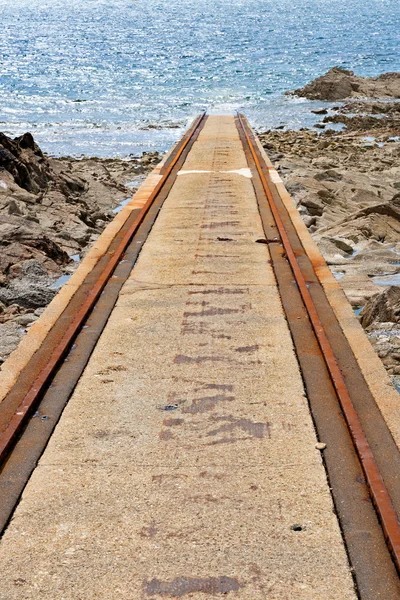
[150, 531]
[182, 586]
[212, 312]
[224, 224]
[221, 290]
[256, 430]
[182, 359]
[166, 436]
[173, 422]
[206, 403]
[218, 386]
[248, 348]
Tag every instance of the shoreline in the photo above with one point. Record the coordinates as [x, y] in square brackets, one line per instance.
[52, 210]
[345, 184]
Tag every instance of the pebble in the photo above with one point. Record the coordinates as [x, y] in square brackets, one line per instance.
[320, 446]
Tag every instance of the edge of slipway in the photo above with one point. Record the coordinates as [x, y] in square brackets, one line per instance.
[375, 375]
[387, 398]
[19, 358]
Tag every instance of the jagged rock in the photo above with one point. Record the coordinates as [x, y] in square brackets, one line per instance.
[340, 84]
[341, 245]
[309, 220]
[32, 289]
[328, 175]
[366, 122]
[26, 319]
[384, 307]
[313, 205]
[323, 162]
[51, 210]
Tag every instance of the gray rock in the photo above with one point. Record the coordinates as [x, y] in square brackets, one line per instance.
[31, 290]
[10, 336]
[16, 207]
[381, 308]
[308, 220]
[328, 175]
[341, 245]
[313, 205]
[25, 319]
[323, 162]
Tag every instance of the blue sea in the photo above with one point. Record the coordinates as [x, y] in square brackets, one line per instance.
[117, 77]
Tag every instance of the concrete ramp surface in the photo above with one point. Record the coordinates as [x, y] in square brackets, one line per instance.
[184, 465]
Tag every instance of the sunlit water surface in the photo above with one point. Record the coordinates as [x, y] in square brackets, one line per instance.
[117, 77]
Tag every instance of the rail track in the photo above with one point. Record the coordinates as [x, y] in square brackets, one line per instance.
[361, 458]
[32, 408]
[344, 411]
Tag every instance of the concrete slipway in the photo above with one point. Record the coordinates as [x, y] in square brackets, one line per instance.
[185, 464]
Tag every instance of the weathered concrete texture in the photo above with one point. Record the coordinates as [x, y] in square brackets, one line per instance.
[184, 465]
[16, 362]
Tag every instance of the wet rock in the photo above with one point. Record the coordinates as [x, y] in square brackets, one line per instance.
[366, 122]
[368, 107]
[340, 84]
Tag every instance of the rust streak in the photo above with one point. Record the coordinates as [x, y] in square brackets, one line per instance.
[182, 586]
[379, 492]
[17, 421]
[248, 348]
[207, 403]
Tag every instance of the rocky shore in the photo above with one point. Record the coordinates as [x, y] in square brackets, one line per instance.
[340, 84]
[51, 211]
[346, 184]
[344, 177]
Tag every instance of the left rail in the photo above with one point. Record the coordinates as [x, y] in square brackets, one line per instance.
[44, 386]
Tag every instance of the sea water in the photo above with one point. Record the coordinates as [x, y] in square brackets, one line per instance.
[116, 77]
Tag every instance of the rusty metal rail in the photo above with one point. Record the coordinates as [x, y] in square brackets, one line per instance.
[37, 379]
[361, 459]
[377, 488]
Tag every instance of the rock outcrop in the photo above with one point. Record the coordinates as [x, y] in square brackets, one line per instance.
[346, 186]
[51, 211]
[340, 84]
[383, 307]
